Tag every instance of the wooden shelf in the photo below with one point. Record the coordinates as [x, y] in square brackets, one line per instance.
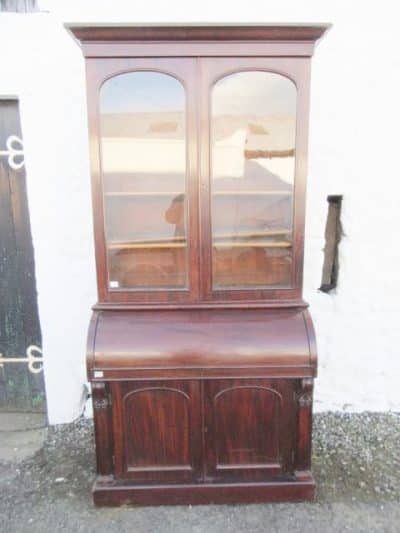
[123, 194]
[227, 240]
[222, 244]
[250, 234]
[253, 193]
[252, 244]
[144, 245]
[117, 194]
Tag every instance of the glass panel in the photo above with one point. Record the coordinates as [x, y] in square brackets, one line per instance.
[143, 159]
[252, 176]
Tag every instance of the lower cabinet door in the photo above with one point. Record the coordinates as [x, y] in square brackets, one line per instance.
[157, 430]
[250, 429]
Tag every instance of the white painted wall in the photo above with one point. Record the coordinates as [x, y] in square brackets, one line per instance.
[354, 138]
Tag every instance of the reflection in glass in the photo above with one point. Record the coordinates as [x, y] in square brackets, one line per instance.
[143, 158]
[252, 178]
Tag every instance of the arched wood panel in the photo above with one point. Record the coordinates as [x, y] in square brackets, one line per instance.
[248, 428]
[245, 443]
[161, 430]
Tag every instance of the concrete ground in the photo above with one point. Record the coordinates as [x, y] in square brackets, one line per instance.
[21, 435]
[356, 465]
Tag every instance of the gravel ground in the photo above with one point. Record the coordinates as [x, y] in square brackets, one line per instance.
[356, 465]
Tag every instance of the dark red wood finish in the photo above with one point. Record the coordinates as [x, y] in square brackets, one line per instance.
[202, 341]
[161, 433]
[97, 72]
[201, 395]
[102, 418]
[198, 74]
[297, 70]
[249, 427]
[198, 79]
[198, 32]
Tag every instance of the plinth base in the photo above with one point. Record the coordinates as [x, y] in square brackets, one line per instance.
[120, 493]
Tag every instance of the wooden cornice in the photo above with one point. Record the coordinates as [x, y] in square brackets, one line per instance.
[198, 32]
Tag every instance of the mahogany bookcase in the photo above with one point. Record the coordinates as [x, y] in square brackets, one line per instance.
[201, 351]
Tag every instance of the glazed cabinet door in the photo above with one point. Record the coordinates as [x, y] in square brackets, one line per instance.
[142, 117]
[252, 171]
[157, 430]
[250, 428]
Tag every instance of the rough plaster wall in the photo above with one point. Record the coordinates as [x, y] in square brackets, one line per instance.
[353, 151]
[44, 69]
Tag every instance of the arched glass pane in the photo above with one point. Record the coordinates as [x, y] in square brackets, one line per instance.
[253, 126]
[143, 160]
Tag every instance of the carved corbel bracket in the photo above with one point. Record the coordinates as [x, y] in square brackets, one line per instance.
[305, 396]
[100, 396]
[306, 392]
[103, 433]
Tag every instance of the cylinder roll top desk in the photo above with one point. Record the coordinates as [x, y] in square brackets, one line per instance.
[201, 351]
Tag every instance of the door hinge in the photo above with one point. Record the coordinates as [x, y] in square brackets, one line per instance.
[33, 357]
[15, 149]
